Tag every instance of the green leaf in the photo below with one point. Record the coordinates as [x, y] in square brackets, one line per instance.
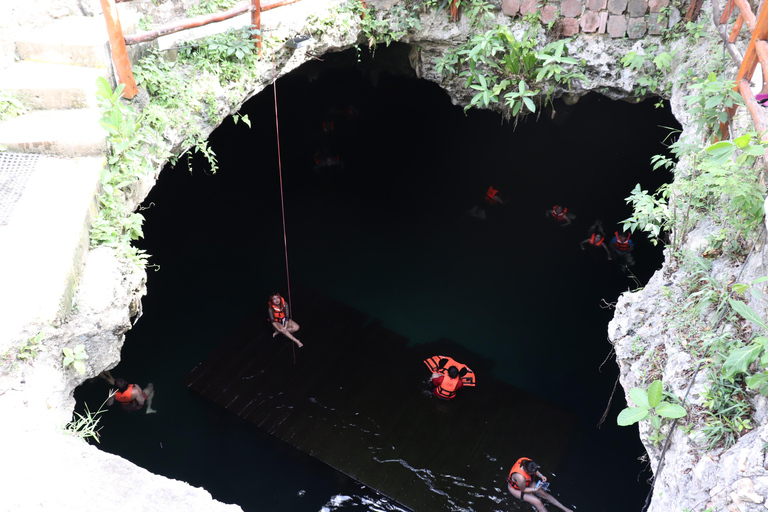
[669, 410]
[103, 89]
[740, 359]
[656, 422]
[655, 391]
[740, 288]
[747, 312]
[757, 380]
[79, 366]
[743, 141]
[631, 415]
[640, 397]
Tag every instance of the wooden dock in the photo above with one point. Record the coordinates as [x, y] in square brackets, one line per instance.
[356, 398]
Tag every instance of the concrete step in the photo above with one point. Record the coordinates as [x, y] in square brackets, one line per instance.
[44, 243]
[42, 86]
[70, 133]
[77, 40]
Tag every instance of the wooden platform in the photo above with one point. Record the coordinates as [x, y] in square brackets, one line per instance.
[356, 398]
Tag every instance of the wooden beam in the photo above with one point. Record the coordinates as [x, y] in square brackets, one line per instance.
[736, 29]
[198, 21]
[256, 23]
[726, 12]
[746, 13]
[118, 49]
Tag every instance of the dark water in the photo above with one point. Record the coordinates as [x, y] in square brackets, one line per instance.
[389, 234]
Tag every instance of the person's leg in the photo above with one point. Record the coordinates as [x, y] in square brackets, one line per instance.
[545, 495]
[292, 326]
[528, 498]
[149, 392]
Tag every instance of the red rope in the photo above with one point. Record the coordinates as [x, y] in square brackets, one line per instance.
[282, 198]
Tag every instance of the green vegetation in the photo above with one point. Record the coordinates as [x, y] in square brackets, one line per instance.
[510, 73]
[85, 426]
[650, 405]
[654, 66]
[10, 106]
[25, 353]
[75, 357]
[127, 161]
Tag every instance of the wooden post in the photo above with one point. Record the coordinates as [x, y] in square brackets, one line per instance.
[118, 49]
[256, 23]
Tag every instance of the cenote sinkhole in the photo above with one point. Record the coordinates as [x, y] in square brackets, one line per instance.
[389, 234]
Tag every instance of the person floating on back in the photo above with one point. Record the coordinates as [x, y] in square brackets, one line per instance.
[131, 397]
[596, 238]
[520, 485]
[492, 196]
[622, 246]
[448, 376]
[560, 215]
[280, 317]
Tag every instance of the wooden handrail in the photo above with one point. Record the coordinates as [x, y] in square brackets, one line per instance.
[118, 49]
[746, 13]
[198, 21]
[736, 29]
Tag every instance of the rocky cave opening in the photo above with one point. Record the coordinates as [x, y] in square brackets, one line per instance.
[386, 228]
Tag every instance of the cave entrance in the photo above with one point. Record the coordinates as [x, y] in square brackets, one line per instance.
[389, 234]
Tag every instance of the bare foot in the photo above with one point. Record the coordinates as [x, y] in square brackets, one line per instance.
[274, 334]
[150, 410]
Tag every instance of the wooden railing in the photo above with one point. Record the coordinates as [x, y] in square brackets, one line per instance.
[119, 43]
[756, 53]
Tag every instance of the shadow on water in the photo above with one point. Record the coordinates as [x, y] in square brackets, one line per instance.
[389, 234]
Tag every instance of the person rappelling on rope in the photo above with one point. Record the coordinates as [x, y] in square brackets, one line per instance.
[520, 485]
[448, 376]
[280, 317]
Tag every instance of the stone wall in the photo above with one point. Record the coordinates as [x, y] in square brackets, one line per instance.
[615, 18]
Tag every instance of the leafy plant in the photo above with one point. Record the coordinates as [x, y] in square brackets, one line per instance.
[29, 350]
[10, 106]
[739, 360]
[710, 101]
[85, 426]
[728, 412]
[649, 405]
[75, 357]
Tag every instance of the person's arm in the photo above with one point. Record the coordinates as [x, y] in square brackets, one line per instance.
[520, 481]
[607, 251]
[581, 244]
[111, 399]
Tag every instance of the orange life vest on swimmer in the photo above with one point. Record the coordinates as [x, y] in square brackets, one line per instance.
[447, 388]
[491, 194]
[125, 397]
[622, 246]
[278, 311]
[466, 375]
[596, 244]
[561, 215]
[518, 468]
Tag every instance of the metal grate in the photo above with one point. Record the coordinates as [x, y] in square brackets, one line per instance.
[15, 171]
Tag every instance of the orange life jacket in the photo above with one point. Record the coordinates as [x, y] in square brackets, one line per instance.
[433, 363]
[491, 194]
[622, 246]
[518, 468]
[447, 389]
[278, 311]
[598, 244]
[559, 216]
[125, 397]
